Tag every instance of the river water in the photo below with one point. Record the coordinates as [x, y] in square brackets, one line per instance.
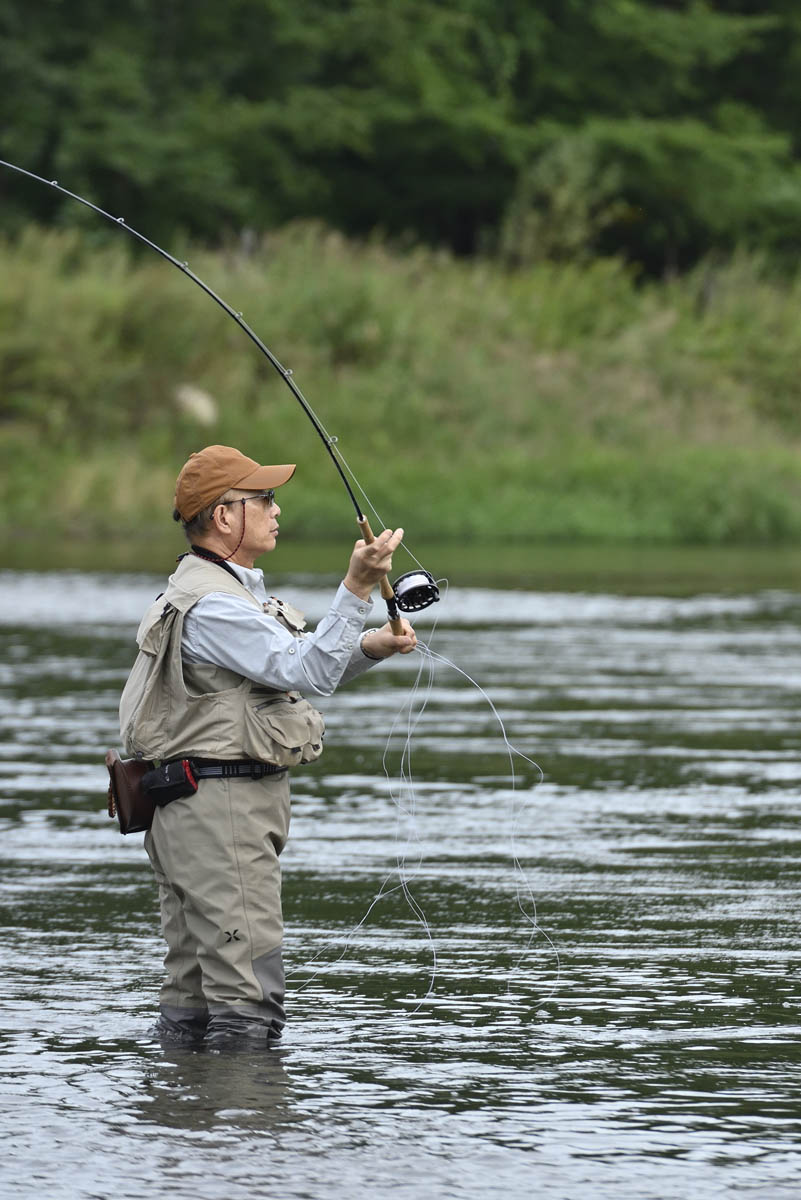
[584, 986]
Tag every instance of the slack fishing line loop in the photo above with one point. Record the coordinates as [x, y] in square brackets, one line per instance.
[393, 600]
[403, 796]
[525, 899]
[409, 849]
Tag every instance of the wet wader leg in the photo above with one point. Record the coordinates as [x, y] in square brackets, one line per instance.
[184, 1013]
[219, 849]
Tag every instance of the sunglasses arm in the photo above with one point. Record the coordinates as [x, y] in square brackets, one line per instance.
[395, 623]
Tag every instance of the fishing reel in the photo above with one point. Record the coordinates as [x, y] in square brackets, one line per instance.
[415, 590]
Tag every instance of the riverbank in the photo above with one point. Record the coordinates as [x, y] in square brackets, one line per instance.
[623, 569]
[563, 403]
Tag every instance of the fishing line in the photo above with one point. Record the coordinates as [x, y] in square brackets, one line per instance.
[336, 450]
[406, 804]
[403, 793]
[406, 780]
[385, 890]
[368, 502]
[524, 890]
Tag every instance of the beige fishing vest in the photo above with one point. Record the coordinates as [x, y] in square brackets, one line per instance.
[171, 709]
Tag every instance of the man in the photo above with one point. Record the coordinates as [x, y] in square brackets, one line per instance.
[215, 694]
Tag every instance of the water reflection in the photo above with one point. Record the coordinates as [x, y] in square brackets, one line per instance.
[201, 1091]
[604, 996]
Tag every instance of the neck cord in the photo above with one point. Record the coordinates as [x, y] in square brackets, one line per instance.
[208, 556]
[212, 555]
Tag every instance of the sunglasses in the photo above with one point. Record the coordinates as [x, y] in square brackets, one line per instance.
[268, 497]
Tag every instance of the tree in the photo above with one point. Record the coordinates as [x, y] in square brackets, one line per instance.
[652, 130]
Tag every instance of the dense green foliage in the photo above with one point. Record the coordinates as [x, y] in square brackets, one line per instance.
[551, 128]
[560, 401]
[562, 301]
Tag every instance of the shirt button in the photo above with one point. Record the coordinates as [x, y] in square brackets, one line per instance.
[362, 611]
[291, 649]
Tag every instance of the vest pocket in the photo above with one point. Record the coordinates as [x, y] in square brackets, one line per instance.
[283, 731]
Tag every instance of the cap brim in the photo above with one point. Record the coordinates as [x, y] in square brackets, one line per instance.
[266, 477]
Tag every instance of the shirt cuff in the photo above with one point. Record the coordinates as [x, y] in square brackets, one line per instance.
[366, 653]
[349, 605]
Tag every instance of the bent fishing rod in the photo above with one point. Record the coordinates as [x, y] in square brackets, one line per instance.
[411, 592]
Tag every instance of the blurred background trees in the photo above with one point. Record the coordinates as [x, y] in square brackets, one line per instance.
[538, 129]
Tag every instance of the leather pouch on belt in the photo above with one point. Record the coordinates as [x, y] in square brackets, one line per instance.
[127, 801]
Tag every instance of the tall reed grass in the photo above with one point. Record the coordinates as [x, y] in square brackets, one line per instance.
[559, 402]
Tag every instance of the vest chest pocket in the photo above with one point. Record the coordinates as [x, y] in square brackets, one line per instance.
[282, 730]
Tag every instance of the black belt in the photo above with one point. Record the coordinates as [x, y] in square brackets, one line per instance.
[248, 768]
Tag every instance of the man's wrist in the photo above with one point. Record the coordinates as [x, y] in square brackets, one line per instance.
[361, 590]
[367, 633]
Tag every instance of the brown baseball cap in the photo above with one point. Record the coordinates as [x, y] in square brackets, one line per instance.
[211, 472]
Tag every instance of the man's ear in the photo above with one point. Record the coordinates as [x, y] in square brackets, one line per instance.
[221, 519]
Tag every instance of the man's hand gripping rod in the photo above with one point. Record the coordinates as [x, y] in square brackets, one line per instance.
[409, 593]
[387, 591]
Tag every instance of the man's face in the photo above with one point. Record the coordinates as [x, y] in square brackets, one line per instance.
[259, 512]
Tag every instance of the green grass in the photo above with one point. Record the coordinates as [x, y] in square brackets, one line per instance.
[559, 403]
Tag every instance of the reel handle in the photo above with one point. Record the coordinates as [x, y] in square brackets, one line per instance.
[395, 623]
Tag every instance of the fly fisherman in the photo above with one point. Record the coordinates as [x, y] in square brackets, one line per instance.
[215, 695]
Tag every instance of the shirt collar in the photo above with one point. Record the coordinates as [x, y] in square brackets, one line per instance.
[251, 577]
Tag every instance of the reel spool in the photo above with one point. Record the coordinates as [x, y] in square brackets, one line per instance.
[415, 590]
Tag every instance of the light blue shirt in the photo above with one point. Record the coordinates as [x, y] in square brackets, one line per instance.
[227, 631]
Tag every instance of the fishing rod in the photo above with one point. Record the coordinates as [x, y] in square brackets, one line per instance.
[411, 592]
